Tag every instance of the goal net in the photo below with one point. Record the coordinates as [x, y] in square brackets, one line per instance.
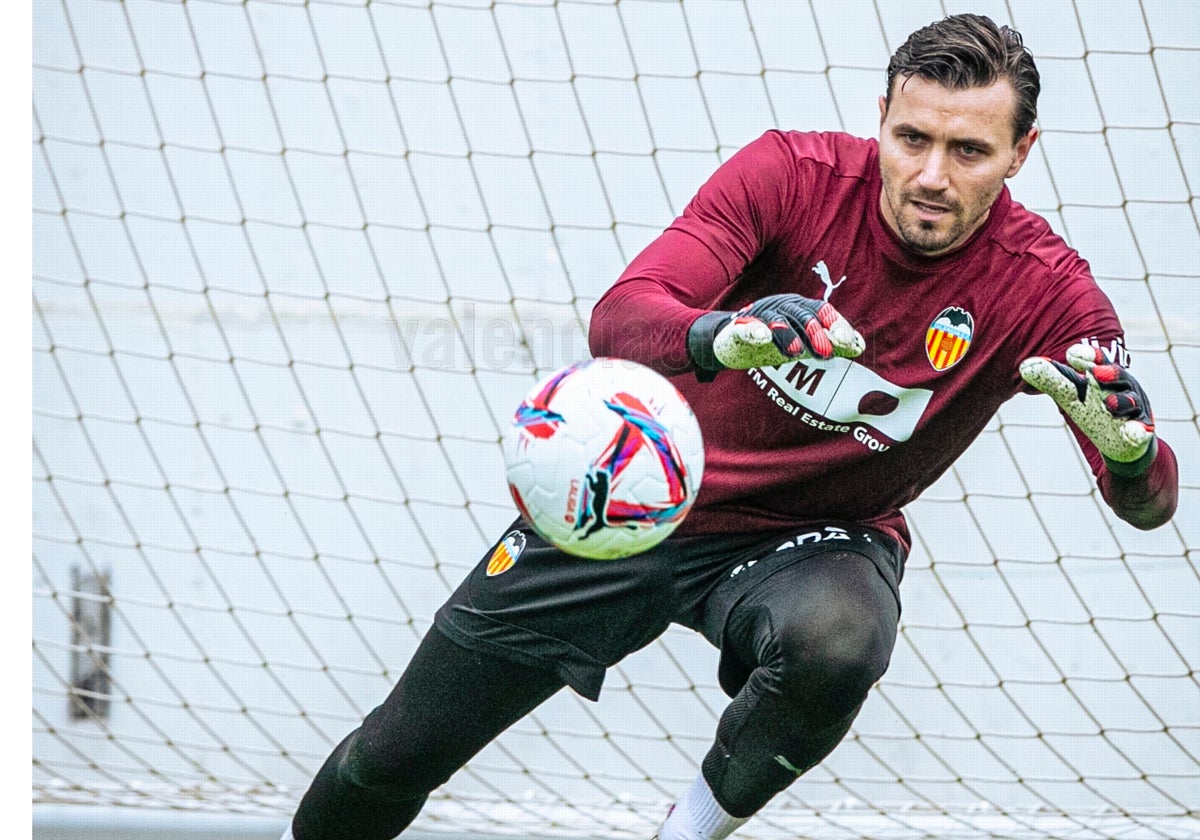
[296, 261]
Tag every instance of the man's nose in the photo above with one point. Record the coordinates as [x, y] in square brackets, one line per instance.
[933, 175]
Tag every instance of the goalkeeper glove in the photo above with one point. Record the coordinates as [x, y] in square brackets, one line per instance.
[770, 332]
[1105, 402]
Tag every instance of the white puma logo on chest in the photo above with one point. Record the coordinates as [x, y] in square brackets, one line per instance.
[822, 271]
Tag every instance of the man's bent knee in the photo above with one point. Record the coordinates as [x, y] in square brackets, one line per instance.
[832, 663]
[390, 775]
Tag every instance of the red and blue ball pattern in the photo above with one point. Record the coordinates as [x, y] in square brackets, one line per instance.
[604, 458]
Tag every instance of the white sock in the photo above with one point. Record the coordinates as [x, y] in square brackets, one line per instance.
[697, 816]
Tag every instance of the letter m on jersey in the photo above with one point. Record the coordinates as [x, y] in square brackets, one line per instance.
[845, 392]
[805, 377]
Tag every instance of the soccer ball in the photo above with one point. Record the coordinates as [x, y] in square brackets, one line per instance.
[604, 458]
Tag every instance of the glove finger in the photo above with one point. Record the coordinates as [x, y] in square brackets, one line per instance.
[1060, 382]
[1137, 434]
[802, 314]
[816, 325]
[1122, 404]
[828, 315]
[746, 329]
[1110, 377]
[789, 342]
[1124, 396]
[1127, 406]
[1084, 357]
[819, 342]
[746, 342]
[846, 340]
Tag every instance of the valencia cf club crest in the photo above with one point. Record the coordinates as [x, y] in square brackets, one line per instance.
[949, 337]
[506, 553]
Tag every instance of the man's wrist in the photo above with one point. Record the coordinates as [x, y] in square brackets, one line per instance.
[700, 337]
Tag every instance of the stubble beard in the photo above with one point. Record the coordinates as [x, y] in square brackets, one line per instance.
[925, 237]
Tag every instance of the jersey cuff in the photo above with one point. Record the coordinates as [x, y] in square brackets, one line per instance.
[700, 337]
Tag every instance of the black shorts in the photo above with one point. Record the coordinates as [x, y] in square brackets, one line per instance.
[530, 602]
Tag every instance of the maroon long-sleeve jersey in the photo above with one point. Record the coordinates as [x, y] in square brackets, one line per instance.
[855, 439]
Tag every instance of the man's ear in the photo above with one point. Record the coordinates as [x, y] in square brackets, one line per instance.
[882, 110]
[1021, 151]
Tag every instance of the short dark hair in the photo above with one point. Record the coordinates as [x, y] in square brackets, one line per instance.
[963, 51]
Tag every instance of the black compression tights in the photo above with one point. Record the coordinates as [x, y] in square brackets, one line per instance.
[813, 639]
[447, 706]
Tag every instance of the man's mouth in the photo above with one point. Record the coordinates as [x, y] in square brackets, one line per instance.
[929, 211]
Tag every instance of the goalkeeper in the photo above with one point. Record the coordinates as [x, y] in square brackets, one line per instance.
[845, 316]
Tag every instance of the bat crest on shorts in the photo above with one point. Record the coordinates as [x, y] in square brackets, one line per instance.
[506, 553]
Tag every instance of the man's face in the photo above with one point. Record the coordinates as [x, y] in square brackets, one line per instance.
[944, 154]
